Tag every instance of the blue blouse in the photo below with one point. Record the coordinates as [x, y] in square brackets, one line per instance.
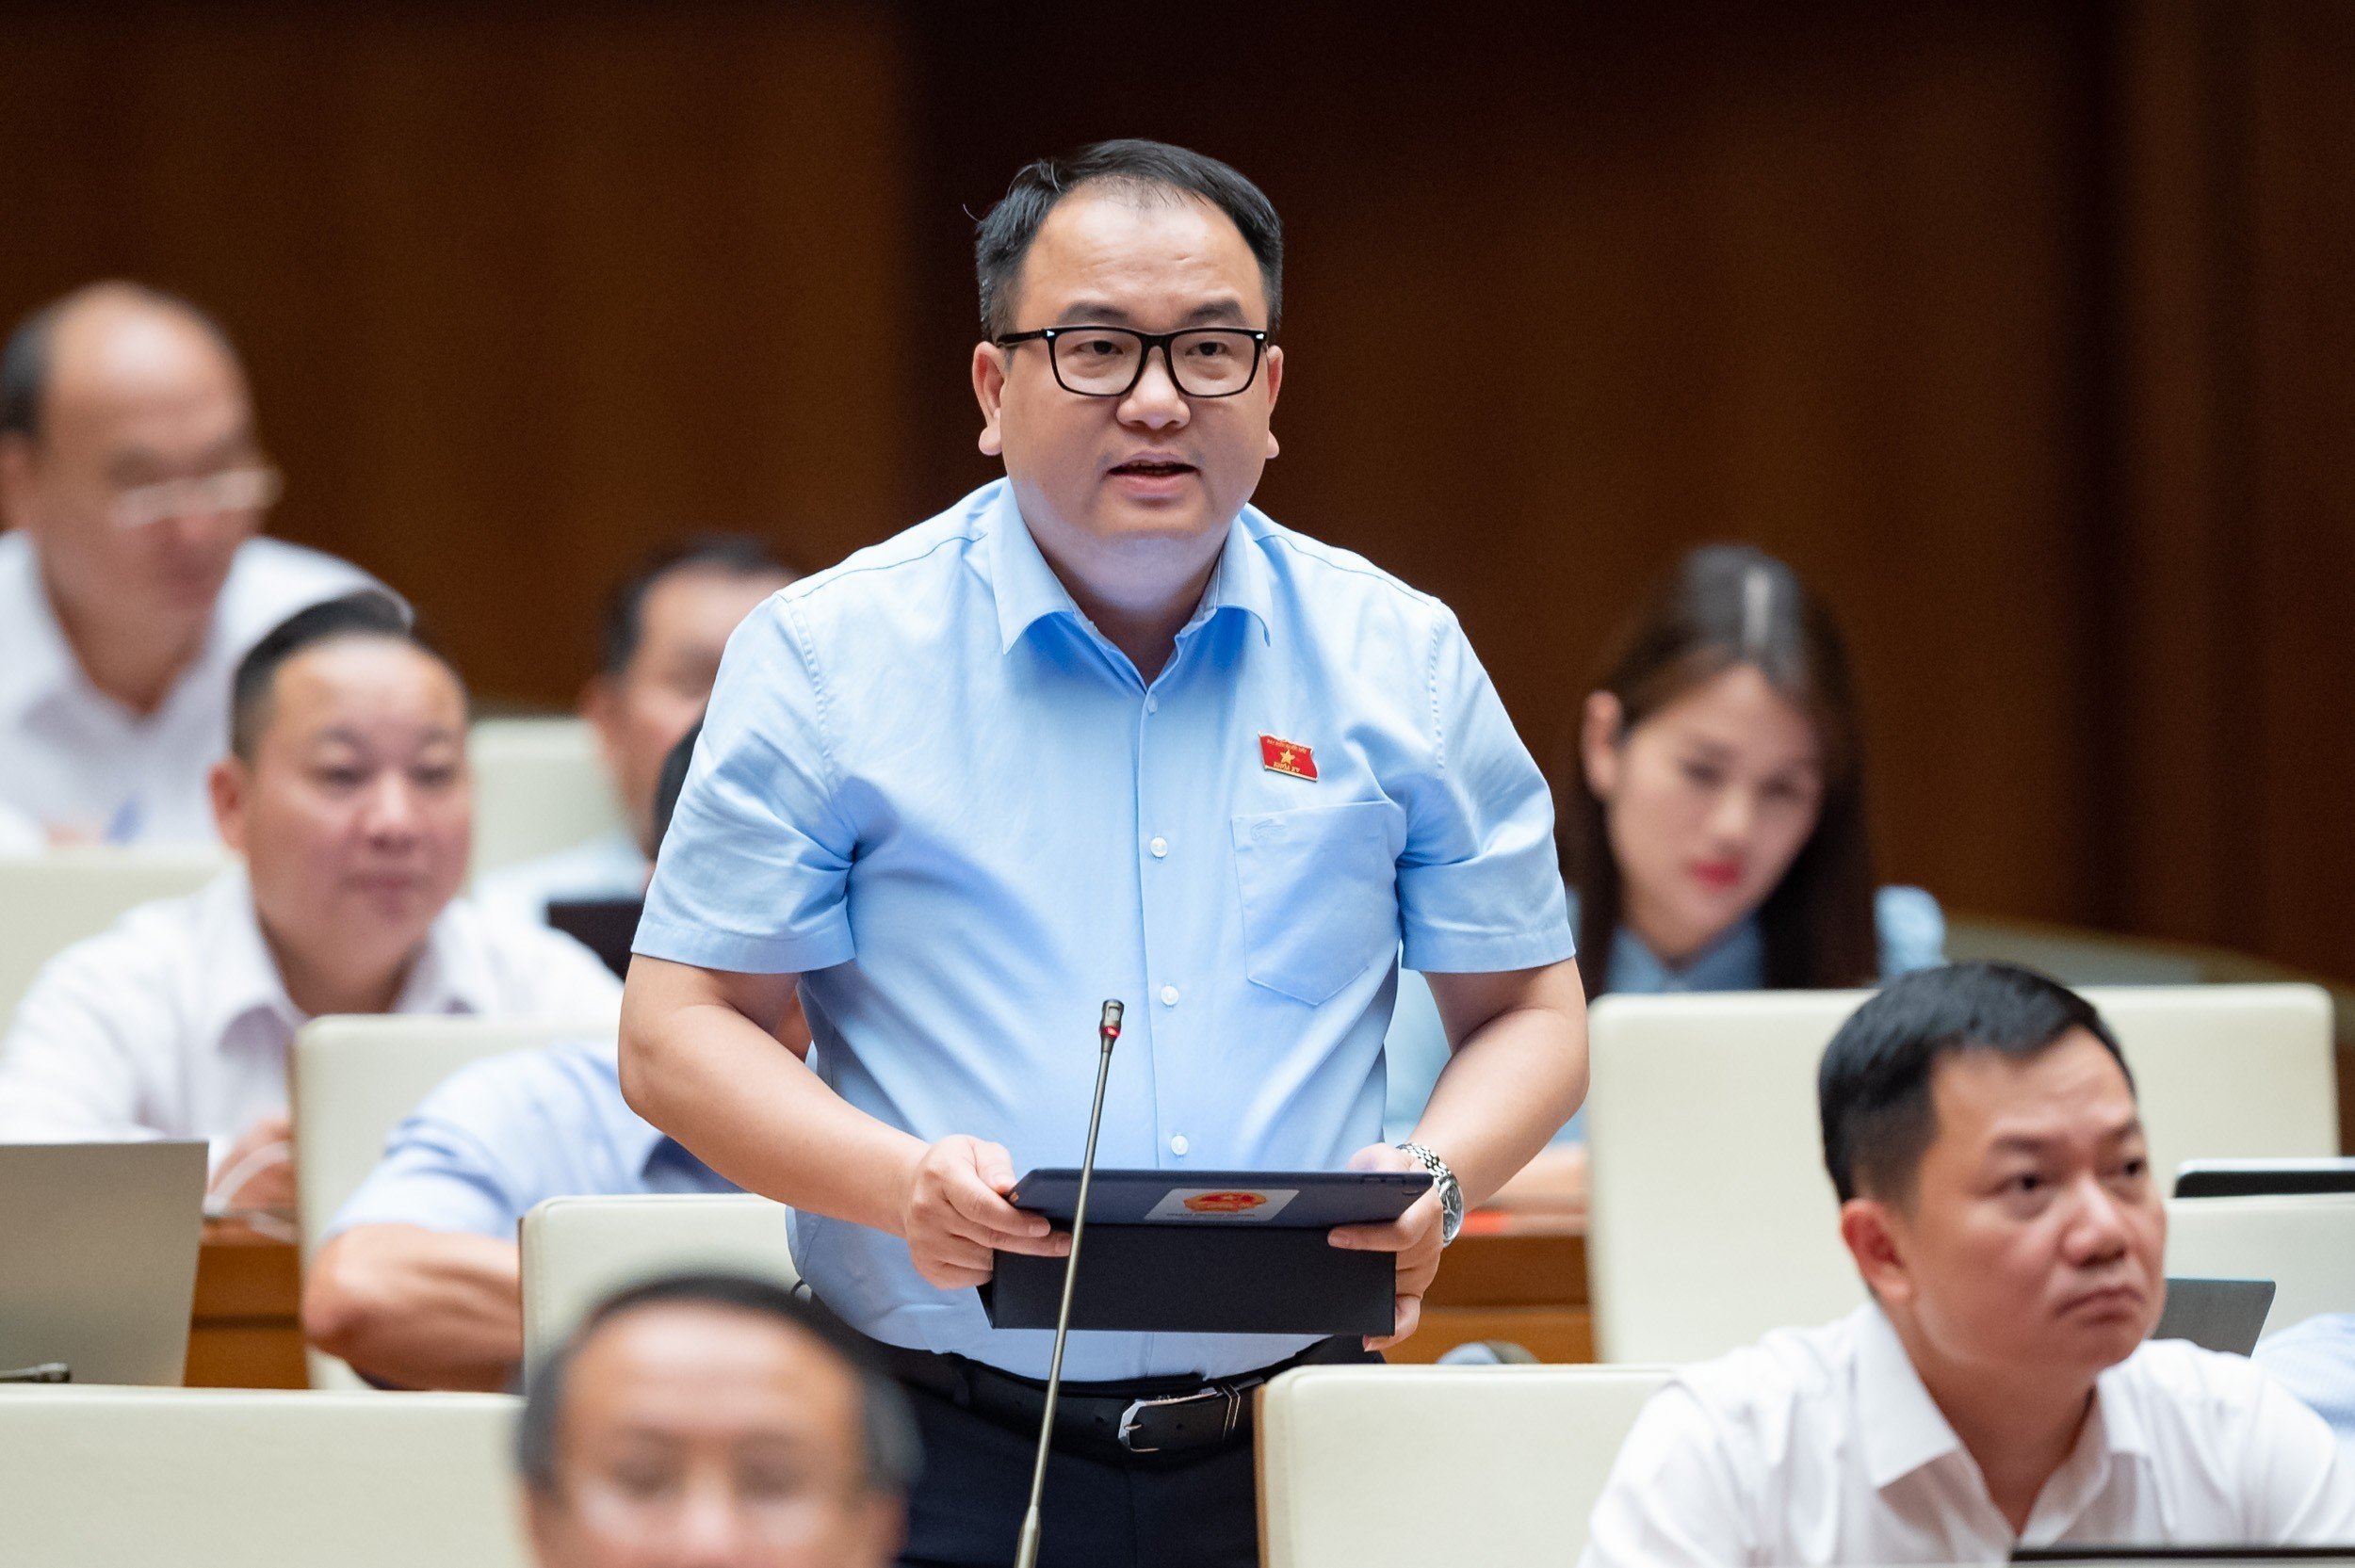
[1912, 936]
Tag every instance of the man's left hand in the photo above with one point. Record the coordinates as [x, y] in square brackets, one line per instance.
[1414, 1235]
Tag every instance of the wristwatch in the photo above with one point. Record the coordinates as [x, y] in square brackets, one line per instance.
[1443, 1181]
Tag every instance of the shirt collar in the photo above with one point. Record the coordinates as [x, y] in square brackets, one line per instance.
[39, 663]
[1735, 961]
[42, 664]
[241, 977]
[1899, 1427]
[2117, 1414]
[451, 972]
[1243, 580]
[1026, 589]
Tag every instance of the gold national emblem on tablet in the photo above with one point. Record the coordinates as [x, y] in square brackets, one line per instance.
[1288, 757]
[1225, 1202]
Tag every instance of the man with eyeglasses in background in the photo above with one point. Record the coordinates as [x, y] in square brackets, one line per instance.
[131, 583]
[1100, 730]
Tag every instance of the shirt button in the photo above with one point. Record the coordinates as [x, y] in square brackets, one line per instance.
[1152, 704]
[1169, 996]
[1159, 846]
[1177, 1144]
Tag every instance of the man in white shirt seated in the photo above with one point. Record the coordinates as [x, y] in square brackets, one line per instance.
[659, 652]
[712, 1421]
[1981, 1129]
[132, 483]
[346, 791]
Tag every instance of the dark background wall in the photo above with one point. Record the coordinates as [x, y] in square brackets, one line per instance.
[2020, 329]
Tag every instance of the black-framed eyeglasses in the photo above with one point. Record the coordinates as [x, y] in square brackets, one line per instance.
[1109, 361]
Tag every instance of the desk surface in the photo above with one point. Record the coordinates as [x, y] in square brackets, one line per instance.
[1505, 1278]
[246, 1327]
[1509, 1277]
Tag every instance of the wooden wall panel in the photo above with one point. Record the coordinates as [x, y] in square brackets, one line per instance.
[2021, 328]
[524, 290]
[2302, 495]
[1815, 279]
[2232, 550]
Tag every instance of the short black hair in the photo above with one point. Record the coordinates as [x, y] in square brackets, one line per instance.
[24, 363]
[1004, 238]
[624, 623]
[367, 612]
[1872, 1089]
[671, 783]
[893, 1452]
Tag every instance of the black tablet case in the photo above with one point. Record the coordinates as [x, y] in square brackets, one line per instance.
[1209, 1274]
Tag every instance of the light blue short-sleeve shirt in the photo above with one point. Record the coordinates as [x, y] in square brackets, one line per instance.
[2314, 1358]
[931, 789]
[499, 1135]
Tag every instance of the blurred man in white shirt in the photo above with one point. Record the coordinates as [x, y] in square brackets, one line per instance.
[132, 484]
[710, 1421]
[346, 791]
[1981, 1130]
[664, 631]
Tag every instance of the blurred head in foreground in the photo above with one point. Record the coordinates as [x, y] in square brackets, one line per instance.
[713, 1421]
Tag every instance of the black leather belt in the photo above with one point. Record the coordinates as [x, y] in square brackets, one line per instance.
[1122, 1422]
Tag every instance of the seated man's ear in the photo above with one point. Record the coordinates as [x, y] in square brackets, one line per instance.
[1872, 1232]
[16, 480]
[1598, 743]
[231, 785]
[600, 707]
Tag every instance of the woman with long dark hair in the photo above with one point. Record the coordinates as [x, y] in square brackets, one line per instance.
[1713, 829]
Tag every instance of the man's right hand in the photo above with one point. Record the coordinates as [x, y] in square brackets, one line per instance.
[262, 1163]
[956, 1214]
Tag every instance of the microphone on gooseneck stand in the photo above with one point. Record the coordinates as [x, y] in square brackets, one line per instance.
[1107, 1031]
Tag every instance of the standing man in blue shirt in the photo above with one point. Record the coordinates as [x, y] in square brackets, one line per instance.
[1100, 730]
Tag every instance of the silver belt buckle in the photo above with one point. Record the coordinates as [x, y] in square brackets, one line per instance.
[1129, 1422]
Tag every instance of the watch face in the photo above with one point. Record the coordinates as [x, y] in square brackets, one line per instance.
[1450, 1210]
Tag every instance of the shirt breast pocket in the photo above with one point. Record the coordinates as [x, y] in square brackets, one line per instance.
[1320, 896]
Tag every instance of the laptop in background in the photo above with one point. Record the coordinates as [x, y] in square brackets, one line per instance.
[2215, 1315]
[2239, 1556]
[603, 926]
[2263, 1178]
[100, 1243]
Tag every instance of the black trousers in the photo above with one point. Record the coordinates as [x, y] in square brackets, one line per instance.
[1152, 1513]
[1196, 1510]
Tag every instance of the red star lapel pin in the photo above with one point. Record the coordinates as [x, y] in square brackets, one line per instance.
[1288, 757]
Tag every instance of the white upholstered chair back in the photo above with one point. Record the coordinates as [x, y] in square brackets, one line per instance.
[1712, 1220]
[2305, 1244]
[99, 1478]
[1523, 1451]
[539, 787]
[50, 902]
[354, 1079]
[580, 1250]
